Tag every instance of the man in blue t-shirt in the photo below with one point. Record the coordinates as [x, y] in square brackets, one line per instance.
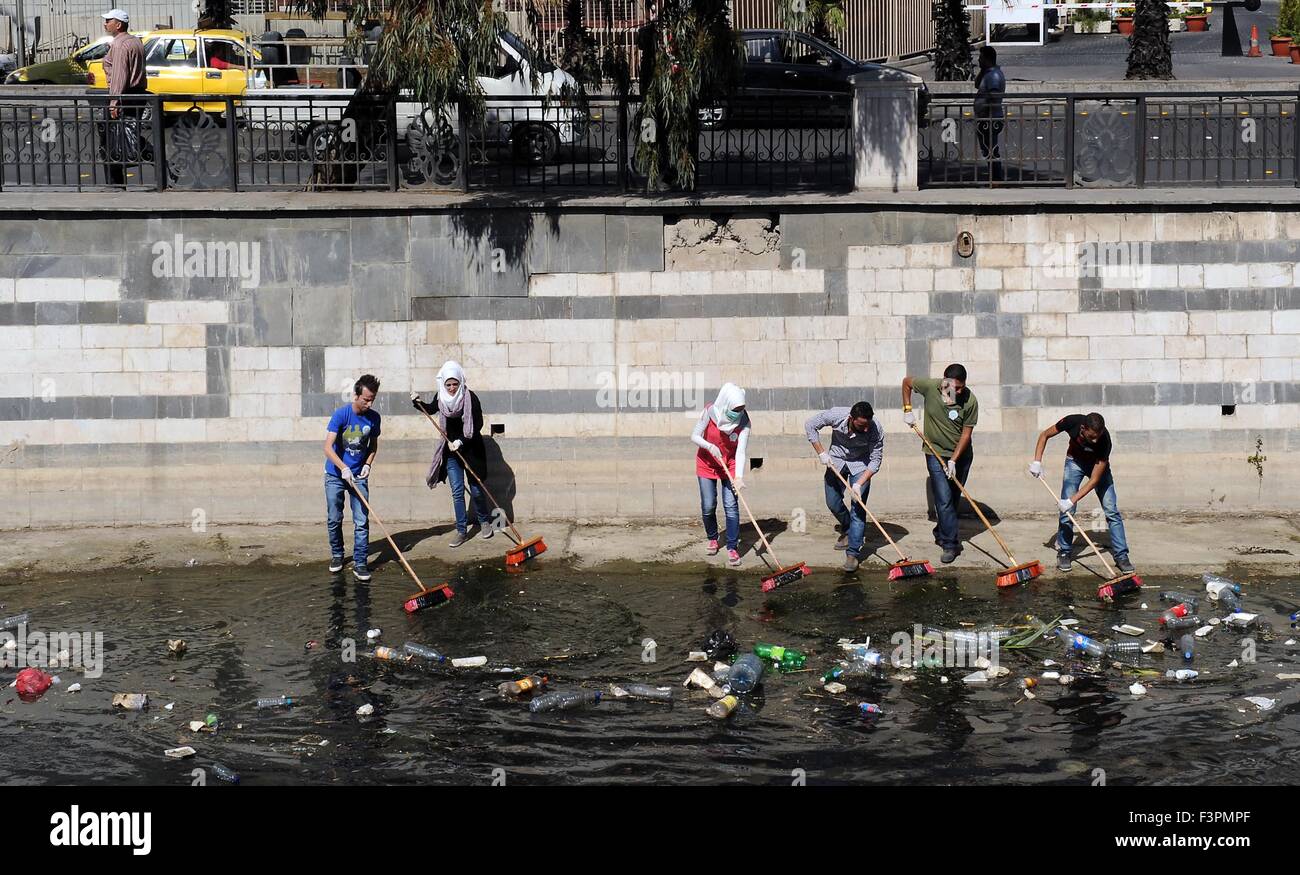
[350, 447]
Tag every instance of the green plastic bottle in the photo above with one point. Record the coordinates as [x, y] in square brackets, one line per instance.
[785, 658]
[833, 674]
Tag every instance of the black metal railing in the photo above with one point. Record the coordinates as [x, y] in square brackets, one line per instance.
[1112, 140]
[268, 141]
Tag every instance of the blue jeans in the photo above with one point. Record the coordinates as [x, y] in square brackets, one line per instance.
[946, 496]
[852, 519]
[709, 510]
[335, 489]
[456, 479]
[1105, 490]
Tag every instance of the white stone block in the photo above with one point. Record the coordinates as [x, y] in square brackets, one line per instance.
[187, 360]
[1225, 346]
[57, 337]
[1273, 346]
[1117, 348]
[529, 355]
[1150, 371]
[1285, 322]
[988, 279]
[150, 360]
[1160, 323]
[1099, 324]
[1242, 370]
[102, 290]
[1226, 276]
[909, 303]
[860, 280]
[182, 312]
[476, 331]
[1055, 301]
[249, 358]
[667, 282]
[547, 285]
[243, 406]
[928, 254]
[889, 279]
[963, 326]
[1244, 322]
[1275, 369]
[1191, 276]
[184, 335]
[1093, 371]
[386, 333]
[1018, 302]
[15, 337]
[1045, 325]
[1268, 276]
[115, 384]
[176, 383]
[1035, 348]
[954, 279]
[1017, 279]
[6, 290]
[38, 289]
[1036, 372]
[177, 431]
[1201, 370]
[1062, 348]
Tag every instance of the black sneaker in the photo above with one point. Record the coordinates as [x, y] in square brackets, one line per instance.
[461, 537]
[361, 573]
[336, 564]
[949, 555]
[1123, 564]
[1063, 562]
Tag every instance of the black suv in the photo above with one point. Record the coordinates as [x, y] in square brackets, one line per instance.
[810, 77]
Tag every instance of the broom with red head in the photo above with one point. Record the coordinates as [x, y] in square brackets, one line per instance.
[1118, 583]
[904, 567]
[783, 574]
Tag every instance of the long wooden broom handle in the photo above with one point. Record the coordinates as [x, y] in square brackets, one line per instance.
[400, 557]
[1109, 569]
[858, 499]
[766, 546]
[973, 503]
[518, 537]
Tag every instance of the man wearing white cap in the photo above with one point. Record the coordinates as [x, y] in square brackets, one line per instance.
[124, 67]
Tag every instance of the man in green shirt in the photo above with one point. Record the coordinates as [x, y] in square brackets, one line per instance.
[951, 413]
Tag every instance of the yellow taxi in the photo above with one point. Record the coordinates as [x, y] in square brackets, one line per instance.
[191, 62]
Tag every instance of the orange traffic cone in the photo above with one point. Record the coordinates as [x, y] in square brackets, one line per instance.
[1254, 42]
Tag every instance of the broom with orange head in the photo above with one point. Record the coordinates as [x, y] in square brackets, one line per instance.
[523, 550]
[783, 574]
[904, 567]
[1017, 572]
[1117, 583]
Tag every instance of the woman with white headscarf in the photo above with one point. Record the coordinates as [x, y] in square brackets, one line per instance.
[461, 418]
[722, 435]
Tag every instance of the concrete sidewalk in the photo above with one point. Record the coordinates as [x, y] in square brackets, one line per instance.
[1168, 544]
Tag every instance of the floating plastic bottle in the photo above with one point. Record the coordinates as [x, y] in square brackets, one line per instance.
[786, 659]
[1075, 641]
[745, 673]
[1187, 646]
[1124, 648]
[392, 654]
[1183, 674]
[1178, 610]
[423, 652]
[222, 773]
[1216, 584]
[565, 701]
[641, 691]
[869, 710]
[1230, 600]
[722, 708]
[274, 702]
[522, 687]
[1176, 598]
[15, 621]
[1188, 622]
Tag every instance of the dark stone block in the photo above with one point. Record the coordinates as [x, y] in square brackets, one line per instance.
[211, 406]
[92, 407]
[1165, 300]
[56, 313]
[175, 407]
[18, 314]
[135, 407]
[380, 239]
[1169, 394]
[218, 370]
[1011, 362]
[1066, 395]
[1251, 299]
[929, 327]
[1021, 396]
[1120, 394]
[54, 408]
[918, 356]
[313, 369]
[1207, 299]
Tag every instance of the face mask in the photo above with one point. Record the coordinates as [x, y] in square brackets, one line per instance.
[733, 415]
[948, 392]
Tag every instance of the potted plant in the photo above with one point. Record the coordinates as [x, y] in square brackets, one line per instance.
[1093, 21]
[1176, 22]
[1198, 19]
[1288, 24]
[1124, 19]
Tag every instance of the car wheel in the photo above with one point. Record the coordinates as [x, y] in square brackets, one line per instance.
[535, 144]
[320, 137]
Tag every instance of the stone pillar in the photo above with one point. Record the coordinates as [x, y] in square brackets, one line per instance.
[885, 138]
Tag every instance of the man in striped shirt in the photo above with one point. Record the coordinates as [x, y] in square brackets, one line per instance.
[856, 451]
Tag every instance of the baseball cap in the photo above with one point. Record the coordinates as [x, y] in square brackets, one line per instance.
[119, 14]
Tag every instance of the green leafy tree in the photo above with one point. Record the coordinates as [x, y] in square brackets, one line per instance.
[820, 18]
[1149, 53]
[952, 53]
[1288, 19]
[215, 14]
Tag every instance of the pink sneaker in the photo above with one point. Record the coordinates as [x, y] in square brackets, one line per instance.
[713, 547]
[733, 558]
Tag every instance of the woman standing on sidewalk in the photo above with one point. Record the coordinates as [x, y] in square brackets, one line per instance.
[722, 435]
[461, 418]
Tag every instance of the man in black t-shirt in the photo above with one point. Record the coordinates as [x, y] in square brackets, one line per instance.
[1088, 456]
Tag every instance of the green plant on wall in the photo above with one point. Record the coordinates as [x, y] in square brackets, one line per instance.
[1288, 19]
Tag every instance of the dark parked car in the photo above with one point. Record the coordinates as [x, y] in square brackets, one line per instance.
[808, 78]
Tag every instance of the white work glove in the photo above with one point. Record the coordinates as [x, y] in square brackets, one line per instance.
[715, 452]
[909, 418]
[346, 473]
[738, 482]
[1066, 505]
[1036, 468]
[952, 469]
[825, 459]
[365, 472]
[454, 446]
[415, 396]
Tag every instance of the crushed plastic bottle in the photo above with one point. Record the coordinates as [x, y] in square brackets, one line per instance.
[1183, 674]
[565, 701]
[522, 687]
[15, 621]
[867, 709]
[1177, 611]
[1124, 648]
[723, 708]
[274, 702]
[1178, 623]
[230, 776]
[423, 652]
[1176, 598]
[392, 654]
[1215, 584]
[1187, 646]
[641, 691]
[1230, 600]
[745, 673]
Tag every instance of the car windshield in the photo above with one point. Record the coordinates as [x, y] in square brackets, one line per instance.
[93, 52]
[524, 52]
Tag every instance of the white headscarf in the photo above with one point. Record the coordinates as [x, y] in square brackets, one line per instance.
[448, 404]
[730, 396]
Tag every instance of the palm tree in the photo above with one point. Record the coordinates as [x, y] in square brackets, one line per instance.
[1150, 55]
[951, 41]
[821, 18]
